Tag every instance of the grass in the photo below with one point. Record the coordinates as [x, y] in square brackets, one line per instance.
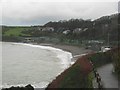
[16, 31]
[90, 79]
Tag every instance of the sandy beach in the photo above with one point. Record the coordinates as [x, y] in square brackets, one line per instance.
[75, 50]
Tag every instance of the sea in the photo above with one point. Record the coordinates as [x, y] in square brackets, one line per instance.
[24, 64]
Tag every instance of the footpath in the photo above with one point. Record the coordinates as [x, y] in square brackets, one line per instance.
[108, 77]
[105, 78]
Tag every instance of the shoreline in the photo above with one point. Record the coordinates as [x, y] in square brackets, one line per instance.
[74, 50]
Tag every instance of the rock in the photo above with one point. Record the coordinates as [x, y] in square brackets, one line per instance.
[28, 87]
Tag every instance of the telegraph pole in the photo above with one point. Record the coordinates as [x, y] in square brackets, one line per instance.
[108, 41]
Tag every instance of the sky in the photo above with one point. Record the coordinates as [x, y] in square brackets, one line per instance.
[39, 12]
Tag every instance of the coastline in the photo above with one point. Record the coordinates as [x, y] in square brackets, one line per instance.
[76, 51]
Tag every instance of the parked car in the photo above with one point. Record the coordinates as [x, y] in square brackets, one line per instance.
[105, 48]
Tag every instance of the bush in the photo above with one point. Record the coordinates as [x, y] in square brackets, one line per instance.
[101, 58]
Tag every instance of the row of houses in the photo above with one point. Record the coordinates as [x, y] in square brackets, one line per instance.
[62, 30]
[77, 30]
[45, 29]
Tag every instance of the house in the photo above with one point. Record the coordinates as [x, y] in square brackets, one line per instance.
[45, 29]
[39, 28]
[48, 29]
[66, 32]
[28, 40]
[77, 30]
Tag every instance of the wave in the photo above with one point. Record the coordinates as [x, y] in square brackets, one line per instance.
[64, 56]
[65, 61]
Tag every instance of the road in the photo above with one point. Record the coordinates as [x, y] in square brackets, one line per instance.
[108, 78]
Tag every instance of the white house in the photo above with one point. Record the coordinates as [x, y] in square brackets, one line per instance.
[48, 29]
[39, 28]
[66, 31]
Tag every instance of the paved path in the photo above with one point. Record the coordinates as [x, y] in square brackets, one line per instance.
[108, 78]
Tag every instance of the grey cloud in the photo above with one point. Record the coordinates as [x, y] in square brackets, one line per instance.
[32, 13]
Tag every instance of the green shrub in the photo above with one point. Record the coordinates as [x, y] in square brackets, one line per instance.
[76, 79]
[101, 58]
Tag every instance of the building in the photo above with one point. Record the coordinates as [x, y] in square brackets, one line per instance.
[45, 29]
[48, 29]
[77, 30]
[28, 40]
[66, 32]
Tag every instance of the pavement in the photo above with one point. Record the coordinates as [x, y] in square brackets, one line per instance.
[108, 78]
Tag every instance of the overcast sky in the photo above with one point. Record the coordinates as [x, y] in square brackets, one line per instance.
[32, 12]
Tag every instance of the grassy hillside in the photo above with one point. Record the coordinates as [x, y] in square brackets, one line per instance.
[13, 34]
[15, 31]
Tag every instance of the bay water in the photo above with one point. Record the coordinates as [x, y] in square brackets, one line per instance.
[24, 64]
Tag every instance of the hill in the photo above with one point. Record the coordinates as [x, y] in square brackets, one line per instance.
[73, 31]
